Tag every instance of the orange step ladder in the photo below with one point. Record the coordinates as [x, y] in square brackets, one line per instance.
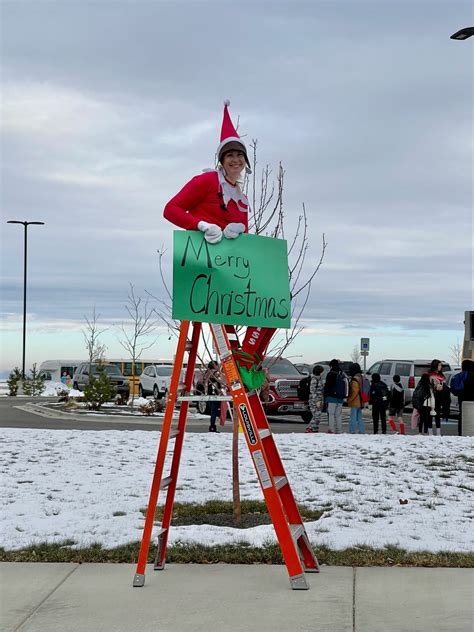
[282, 508]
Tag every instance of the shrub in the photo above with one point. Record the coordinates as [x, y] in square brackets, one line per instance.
[13, 381]
[99, 390]
[33, 385]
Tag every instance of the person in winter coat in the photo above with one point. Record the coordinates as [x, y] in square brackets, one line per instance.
[379, 397]
[214, 384]
[467, 393]
[333, 398]
[438, 383]
[215, 204]
[316, 398]
[397, 403]
[428, 408]
[354, 400]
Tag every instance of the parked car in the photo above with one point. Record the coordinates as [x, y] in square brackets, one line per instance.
[155, 380]
[284, 378]
[409, 371]
[81, 377]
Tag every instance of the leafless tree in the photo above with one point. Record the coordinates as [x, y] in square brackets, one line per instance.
[456, 352]
[91, 333]
[356, 355]
[142, 324]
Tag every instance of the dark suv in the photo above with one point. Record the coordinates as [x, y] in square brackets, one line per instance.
[81, 377]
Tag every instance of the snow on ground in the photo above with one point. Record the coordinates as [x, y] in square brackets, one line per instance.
[68, 484]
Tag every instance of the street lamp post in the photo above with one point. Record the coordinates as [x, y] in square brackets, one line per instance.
[25, 224]
[463, 34]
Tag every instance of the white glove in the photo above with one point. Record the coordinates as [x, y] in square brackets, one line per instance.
[231, 231]
[212, 232]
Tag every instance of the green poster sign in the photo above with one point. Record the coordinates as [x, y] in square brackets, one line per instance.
[241, 281]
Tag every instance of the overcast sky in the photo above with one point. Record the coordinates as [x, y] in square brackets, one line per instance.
[110, 107]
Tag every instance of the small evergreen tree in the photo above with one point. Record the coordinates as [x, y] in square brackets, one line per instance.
[99, 390]
[33, 385]
[13, 381]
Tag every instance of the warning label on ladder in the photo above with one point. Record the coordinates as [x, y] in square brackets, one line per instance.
[221, 343]
[244, 414]
[262, 469]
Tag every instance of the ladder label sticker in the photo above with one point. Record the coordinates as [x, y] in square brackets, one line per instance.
[244, 413]
[231, 373]
[220, 340]
[262, 470]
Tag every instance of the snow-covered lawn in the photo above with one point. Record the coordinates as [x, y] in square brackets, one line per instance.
[68, 484]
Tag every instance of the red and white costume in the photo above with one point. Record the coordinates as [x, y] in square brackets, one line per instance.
[211, 198]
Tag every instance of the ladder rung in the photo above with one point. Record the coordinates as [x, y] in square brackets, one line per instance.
[297, 530]
[264, 432]
[160, 531]
[280, 481]
[174, 433]
[165, 482]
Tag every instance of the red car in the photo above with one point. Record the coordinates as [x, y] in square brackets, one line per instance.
[284, 378]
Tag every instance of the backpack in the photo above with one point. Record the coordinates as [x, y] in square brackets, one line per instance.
[342, 386]
[457, 383]
[303, 388]
[419, 396]
[364, 389]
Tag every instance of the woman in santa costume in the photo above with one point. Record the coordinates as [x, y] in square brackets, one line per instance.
[214, 203]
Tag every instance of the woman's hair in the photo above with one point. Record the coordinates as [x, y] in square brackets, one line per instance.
[354, 369]
[375, 377]
[212, 365]
[425, 380]
[318, 369]
[434, 366]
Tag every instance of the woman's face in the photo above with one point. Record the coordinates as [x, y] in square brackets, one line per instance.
[440, 366]
[233, 163]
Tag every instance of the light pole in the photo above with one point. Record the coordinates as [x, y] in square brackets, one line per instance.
[25, 224]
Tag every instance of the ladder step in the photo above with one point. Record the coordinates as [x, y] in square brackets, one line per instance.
[165, 482]
[174, 433]
[280, 481]
[160, 531]
[297, 530]
[264, 432]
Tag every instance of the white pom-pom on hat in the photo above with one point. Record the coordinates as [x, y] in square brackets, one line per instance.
[227, 102]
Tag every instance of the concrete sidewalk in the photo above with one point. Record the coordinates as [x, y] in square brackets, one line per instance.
[237, 598]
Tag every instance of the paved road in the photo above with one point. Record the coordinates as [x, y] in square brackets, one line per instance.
[11, 416]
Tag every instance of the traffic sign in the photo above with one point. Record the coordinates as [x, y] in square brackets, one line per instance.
[364, 344]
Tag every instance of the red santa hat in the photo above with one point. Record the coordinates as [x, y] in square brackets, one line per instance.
[229, 138]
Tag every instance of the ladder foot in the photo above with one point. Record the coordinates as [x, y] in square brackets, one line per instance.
[138, 580]
[298, 582]
[311, 570]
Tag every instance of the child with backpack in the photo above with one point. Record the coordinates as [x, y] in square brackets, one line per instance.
[423, 400]
[316, 398]
[355, 400]
[379, 398]
[336, 389]
[397, 404]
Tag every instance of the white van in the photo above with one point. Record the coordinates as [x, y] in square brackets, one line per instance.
[409, 371]
[52, 370]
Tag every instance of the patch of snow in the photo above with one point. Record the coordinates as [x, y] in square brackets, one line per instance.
[67, 484]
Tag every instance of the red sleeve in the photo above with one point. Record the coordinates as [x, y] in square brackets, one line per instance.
[177, 209]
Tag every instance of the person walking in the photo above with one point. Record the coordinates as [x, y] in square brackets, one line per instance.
[397, 404]
[354, 400]
[438, 383]
[335, 390]
[379, 396]
[316, 398]
[214, 383]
